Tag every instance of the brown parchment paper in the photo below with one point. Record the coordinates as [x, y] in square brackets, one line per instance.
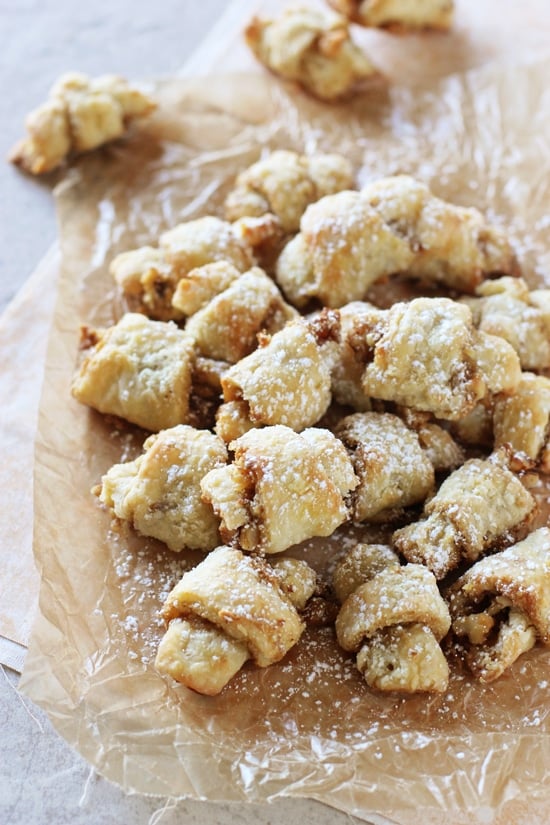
[307, 727]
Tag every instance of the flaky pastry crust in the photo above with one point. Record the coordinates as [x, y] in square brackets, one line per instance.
[522, 420]
[350, 240]
[227, 327]
[313, 48]
[81, 113]
[400, 15]
[159, 492]
[227, 609]
[139, 370]
[285, 183]
[426, 354]
[501, 605]
[393, 620]
[481, 506]
[281, 488]
[149, 277]
[287, 380]
[393, 470]
[505, 307]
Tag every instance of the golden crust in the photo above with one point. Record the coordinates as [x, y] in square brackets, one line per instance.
[159, 492]
[401, 15]
[242, 597]
[393, 470]
[227, 327]
[287, 380]
[438, 443]
[347, 370]
[478, 507]
[281, 489]
[285, 183]
[80, 114]
[350, 240]
[506, 308]
[522, 420]
[139, 370]
[426, 354]
[359, 565]
[502, 604]
[312, 48]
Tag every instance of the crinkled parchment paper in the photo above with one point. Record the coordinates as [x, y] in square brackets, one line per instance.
[309, 726]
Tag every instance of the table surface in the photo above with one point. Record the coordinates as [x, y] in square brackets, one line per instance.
[42, 780]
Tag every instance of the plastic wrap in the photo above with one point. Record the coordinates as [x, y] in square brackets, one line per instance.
[309, 726]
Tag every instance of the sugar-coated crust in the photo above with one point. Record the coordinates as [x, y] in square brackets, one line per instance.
[501, 605]
[506, 308]
[426, 354]
[347, 370]
[139, 370]
[522, 420]
[401, 15]
[394, 621]
[282, 488]
[159, 492]
[285, 183]
[393, 470]
[360, 565]
[287, 380]
[243, 597]
[312, 48]
[350, 240]
[227, 327]
[81, 113]
[438, 443]
[480, 506]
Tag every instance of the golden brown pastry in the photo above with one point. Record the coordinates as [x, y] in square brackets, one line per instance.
[140, 370]
[227, 327]
[284, 183]
[399, 15]
[148, 276]
[393, 470]
[481, 506]
[287, 380]
[393, 619]
[426, 354]
[312, 48]
[348, 367]
[81, 113]
[522, 420]
[350, 240]
[224, 611]
[438, 443]
[505, 307]
[501, 605]
[159, 492]
[282, 488]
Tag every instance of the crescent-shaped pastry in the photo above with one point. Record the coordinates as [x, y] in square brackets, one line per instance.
[481, 506]
[392, 468]
[287, 380]
[501, 606]
[282, 488]
[398, 15]
[313, 48]
[148, 276]
[159, 492]
[224, 611]
[138, 369]
[81, 113]
[522, 420]
[426, 354]
[505, 307]
[285, 183]
[350, 240]
[227, 327]
[393, 619]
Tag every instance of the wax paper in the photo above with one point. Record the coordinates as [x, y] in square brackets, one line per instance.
[308, 726]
